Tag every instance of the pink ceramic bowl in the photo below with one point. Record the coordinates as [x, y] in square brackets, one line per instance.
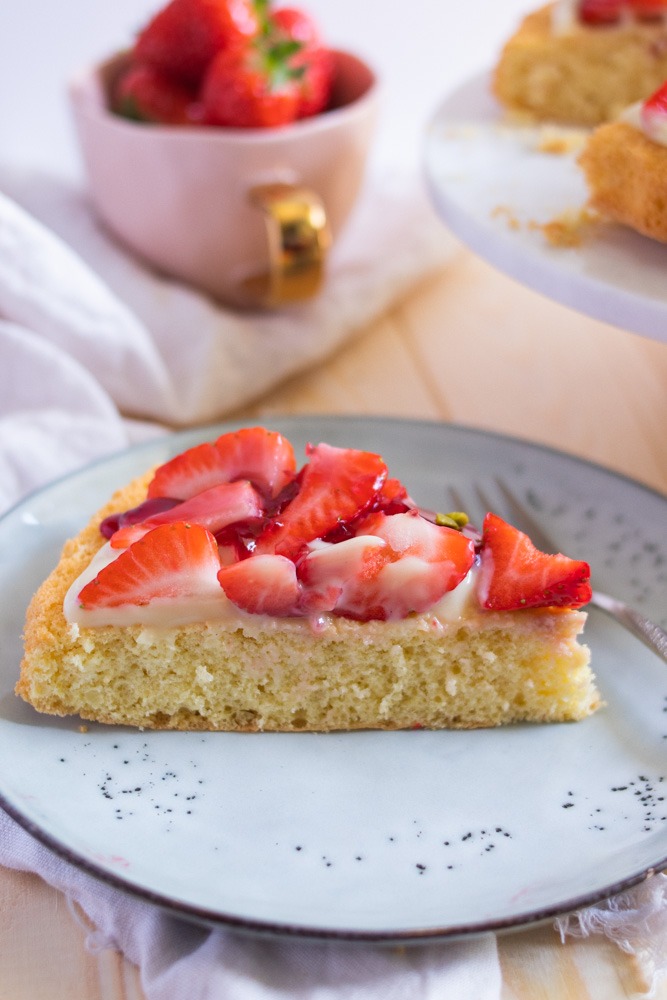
[217, 207]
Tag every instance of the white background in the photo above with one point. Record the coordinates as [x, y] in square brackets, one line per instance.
[422, 49]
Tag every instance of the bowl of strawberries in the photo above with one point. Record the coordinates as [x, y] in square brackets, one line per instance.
[227, 146]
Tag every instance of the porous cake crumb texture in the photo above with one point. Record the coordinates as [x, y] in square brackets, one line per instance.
[582, 77]
[626, 175]
[481, 673]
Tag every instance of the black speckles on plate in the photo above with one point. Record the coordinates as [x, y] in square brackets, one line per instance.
[133, 771]
[640, 801]
[441, 852]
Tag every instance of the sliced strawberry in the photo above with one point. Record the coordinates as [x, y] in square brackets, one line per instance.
[189, 473]
[517, 575]
[264, 457]
[397, 564]
[392, 498]
[414, 535]
[600, 12]
[171, 562]
[653, 112]
[328, 569]
[185, 35]
[214, 509]
[428, 561]
[262, 585]
[336, 485]
[648, 10]
[393, 492]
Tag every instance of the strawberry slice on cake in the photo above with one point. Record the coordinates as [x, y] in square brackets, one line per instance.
[517, 575]
[172, 562]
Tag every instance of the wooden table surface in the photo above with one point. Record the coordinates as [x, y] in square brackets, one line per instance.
[468, 346]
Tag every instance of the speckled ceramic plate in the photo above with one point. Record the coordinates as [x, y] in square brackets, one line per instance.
[494, 185]
[376, 836]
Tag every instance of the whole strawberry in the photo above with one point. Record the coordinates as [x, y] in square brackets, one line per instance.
[253, 87]
[312, 59]
[184, 37]
[146, 94]
[282, 74]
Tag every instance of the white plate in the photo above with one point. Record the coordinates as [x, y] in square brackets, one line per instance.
[365, 835]
[491, 184]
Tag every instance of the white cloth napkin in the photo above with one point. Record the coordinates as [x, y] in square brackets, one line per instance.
[90, 338]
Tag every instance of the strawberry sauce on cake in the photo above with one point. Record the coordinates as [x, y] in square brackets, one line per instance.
[232, 589]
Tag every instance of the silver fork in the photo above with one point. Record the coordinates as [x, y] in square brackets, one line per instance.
[516, 513]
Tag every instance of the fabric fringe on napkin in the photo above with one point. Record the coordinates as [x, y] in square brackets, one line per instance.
[635, 920]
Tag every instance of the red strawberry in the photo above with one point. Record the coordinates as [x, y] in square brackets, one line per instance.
[410, 534]
[188, 473]
[172, 562]
[392, 498]
[336, 485]
[517, 575]
[327, 571]
[148, 95]
[262, 585]
[313, 60]
[598, 12]
[427, 561]
[648, 10]
[252, 87]
[264, 457]
[184, 37]
[654, 109]
[214, 509]
[397, 564]
[393, 494]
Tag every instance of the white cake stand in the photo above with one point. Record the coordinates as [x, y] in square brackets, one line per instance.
[495, 185]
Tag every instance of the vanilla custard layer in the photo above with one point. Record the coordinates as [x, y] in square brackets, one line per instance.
[214, 606]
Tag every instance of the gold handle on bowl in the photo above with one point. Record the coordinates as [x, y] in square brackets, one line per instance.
[298, 239]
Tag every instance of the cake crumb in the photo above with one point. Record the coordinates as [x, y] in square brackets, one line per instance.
[565, 230]
[83, 729]
[560, 141]
[568, 229]
[504, 211]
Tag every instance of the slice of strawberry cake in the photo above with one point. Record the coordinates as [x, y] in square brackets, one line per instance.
[580, 62]
[625, 165]
[230, 589]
